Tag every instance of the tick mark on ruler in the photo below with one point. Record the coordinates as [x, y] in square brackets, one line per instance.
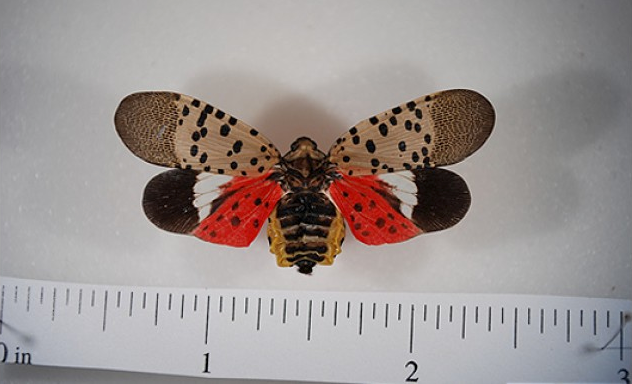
[67, 296]
[54, 303]
[412, 328]
[386, 315]
[515, 334]
[541, 320]
[246, 305]
[105, 309]
[463, 324]
[28, 299]
[41, 295]
[348, 309]
[144, 300]
[156, 310]
[309, 320]
[131, 302]
[208, 316]
[195, 300]
[182, 307]
[489, 319]
[258, 313]
[272, 306]
[1, 309]
[297, 303]
[360, 322]
[374, 310]
[322, 308]
[232, 316]
[450, 316]
[438, 317]
[568, 325]
[118, 299]
[93, 298]
[169, 302]
[15, 294]
[594, 323]
[221, 304]
[335, 312]
[555, 317]
[284, 310]
[80, 302]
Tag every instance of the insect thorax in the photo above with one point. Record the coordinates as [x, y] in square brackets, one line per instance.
[305, 228]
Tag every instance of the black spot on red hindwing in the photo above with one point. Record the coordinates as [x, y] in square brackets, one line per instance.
[380, 222]
[235, 221]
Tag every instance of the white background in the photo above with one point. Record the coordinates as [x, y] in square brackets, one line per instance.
[551, 188]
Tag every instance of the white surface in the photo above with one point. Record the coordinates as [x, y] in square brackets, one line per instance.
[378, 336]
[551, 188]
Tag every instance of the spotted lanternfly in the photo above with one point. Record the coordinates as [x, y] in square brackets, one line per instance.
[380, 176]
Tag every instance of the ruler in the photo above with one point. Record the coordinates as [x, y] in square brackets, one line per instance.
[341, 337]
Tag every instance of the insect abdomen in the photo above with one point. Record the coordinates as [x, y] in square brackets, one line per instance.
[305, 229]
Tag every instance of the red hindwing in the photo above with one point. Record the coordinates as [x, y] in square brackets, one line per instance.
[364, 204]
[240, 211]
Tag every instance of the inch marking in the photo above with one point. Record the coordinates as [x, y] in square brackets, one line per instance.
[208, 315]
[1, 309]
[412, 328]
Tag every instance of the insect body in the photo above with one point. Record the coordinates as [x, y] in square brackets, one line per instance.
[381, 177]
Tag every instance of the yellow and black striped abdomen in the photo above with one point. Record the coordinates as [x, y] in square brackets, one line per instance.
[305, 229]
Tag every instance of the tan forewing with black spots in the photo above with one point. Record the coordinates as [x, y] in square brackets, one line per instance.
[176, 130]
[438, 129]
